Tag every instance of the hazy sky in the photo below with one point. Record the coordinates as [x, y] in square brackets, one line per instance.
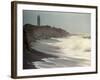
[71, 22]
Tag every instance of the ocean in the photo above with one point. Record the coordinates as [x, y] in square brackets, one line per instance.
[71, 51]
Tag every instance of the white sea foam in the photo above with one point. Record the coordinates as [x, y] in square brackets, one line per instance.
[68, 48]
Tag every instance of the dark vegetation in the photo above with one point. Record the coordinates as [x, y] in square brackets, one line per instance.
[34, 32]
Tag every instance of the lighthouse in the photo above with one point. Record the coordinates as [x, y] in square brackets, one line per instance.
[38, 20]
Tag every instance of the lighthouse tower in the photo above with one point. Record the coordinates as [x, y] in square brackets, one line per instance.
[38, 20]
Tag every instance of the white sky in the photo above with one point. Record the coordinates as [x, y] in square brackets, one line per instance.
[71, 22]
